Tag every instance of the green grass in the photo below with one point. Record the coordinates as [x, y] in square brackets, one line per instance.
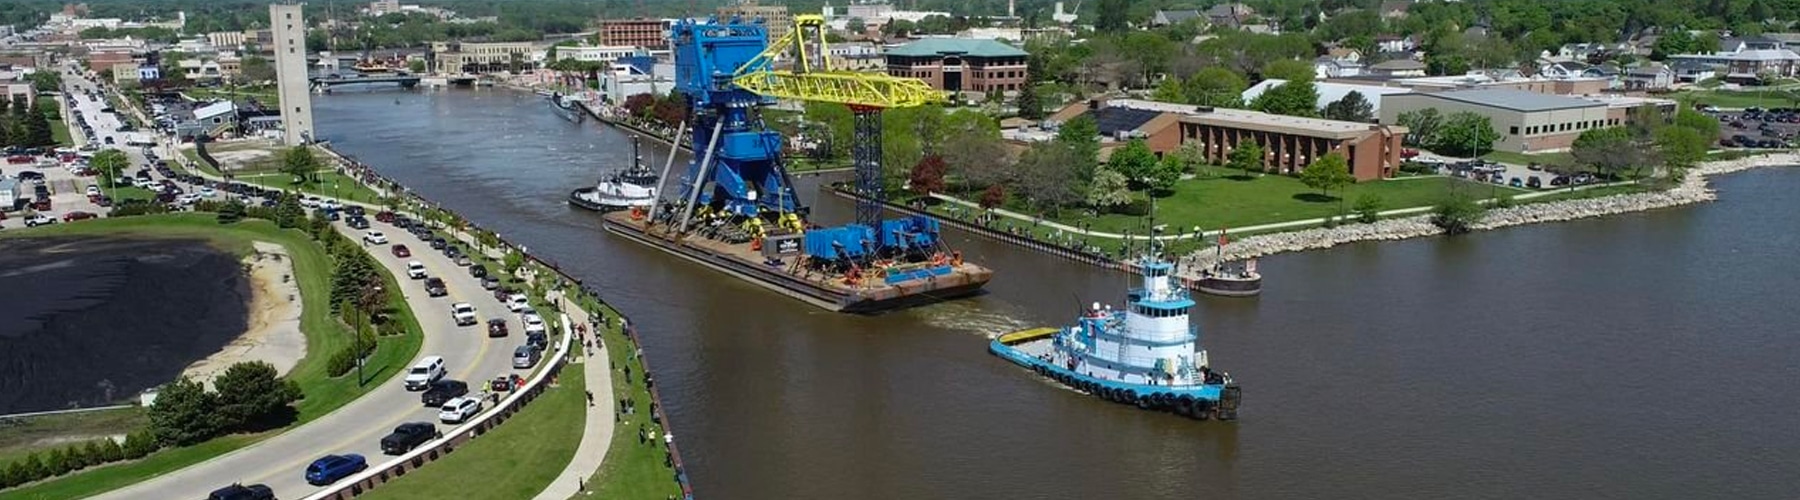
[1529, 158]
[324, 335]
[630, 470]
[515, 460]
[329, 183]
[20, 436]
[1738, 98]
[60, 131]
[263, 94]
[1588, 193]
[798, 165]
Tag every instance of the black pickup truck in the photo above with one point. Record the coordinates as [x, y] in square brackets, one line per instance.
[408, 436]
[442, 392]
[435, 287]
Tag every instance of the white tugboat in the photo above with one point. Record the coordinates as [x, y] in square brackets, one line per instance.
[633, 187]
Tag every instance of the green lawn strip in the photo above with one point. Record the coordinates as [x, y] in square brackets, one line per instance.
[21, 436]
[630, 469]
[194, 157]
[517, 459]
[328, 183]
[324, 335]
[59, 130]
[122, 193]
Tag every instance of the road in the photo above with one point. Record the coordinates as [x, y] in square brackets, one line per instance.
[357, 427]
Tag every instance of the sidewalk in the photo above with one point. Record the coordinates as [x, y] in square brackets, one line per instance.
[596, 434]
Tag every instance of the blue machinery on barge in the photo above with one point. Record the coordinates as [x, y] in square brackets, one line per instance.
[1143, 355]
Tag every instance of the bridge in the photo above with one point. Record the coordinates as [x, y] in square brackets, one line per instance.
[325, 83]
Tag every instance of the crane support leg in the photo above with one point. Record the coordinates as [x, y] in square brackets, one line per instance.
[680, 133]
[865, 153]
[687, 211]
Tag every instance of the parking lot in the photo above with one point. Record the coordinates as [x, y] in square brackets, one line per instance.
[1505, 174]
[1758, 128]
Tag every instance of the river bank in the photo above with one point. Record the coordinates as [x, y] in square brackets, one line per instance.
[272, 334]
[1695, 188]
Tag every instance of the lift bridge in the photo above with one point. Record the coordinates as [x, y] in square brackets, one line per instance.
[727, 71]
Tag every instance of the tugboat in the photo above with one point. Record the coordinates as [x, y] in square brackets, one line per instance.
[564, 105]
[633, 187]
[1142, 355]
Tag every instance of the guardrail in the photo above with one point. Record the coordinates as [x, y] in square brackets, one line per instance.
[60, 412]
[377, 475]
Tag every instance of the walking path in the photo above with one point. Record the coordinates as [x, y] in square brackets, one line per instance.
[596, 435]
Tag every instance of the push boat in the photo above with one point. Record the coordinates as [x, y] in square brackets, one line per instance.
[634, 187]
[1143, 355]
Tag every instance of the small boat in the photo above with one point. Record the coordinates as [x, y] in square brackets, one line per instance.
[634, 187]
[1229, 279]
[1144, 354]
[564, 105]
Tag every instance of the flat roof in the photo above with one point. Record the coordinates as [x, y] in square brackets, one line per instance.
[1516, 100]
[963, 46]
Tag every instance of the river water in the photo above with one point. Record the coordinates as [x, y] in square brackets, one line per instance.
[1640, 356]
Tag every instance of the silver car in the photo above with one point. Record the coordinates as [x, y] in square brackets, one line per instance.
[526, 356]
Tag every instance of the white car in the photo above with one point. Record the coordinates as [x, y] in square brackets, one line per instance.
[39, 220]
[463, 313]
[93, 190]
[517, 302]
[533, 323]
[458, 410]
[330, 205]
[208, 192]
[187, 199]
[375, 238]
[415, 269]
[309, 202]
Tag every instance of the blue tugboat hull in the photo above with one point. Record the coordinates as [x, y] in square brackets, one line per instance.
[1201, 401]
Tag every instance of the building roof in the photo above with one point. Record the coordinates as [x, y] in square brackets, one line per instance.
[214, 109]
[1178, 16]
[1516, 100]
[945, 46]
[1747, 55]
[1398, 65]
[1282, 124]
[1651, 69]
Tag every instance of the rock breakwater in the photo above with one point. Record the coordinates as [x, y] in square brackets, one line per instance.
[1693, 189]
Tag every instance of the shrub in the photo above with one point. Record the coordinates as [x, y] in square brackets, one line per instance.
[344, 360]
[33, 468]
[130, 208]
[251, 391]
[184, 413]
[12, 475]
[1505, 201]
[1457, 214]
[110, 451]
[1368, 208]
[1138, 206]
[139, 443]
[56, 463]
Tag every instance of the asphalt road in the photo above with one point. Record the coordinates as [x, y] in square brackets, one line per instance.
[357, 427]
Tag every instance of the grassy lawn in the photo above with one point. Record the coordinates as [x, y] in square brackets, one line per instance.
[1528, 158]
[630, 470]
[1738, 98]
[60, 131]
[515, 460]
[330, 183]
[263, 94]
[20, 436]
[324, 335]
[798, 165]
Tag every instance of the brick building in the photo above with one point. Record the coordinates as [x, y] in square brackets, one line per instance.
[638, 32]
[1291, 143]
[960, 65]
[775, 17]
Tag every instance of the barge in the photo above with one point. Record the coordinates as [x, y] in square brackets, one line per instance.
[783, 268]
[1144, 355]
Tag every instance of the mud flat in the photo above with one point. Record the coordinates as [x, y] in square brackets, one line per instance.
[1693, 189]
[90, 321]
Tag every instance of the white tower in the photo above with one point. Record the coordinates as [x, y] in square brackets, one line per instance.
[289, 29]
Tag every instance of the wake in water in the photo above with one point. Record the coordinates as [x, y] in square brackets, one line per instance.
[989, 320]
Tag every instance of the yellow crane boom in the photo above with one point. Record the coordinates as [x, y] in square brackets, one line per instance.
[813, 79]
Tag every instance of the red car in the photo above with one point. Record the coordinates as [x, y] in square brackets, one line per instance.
[385, 217]
[18, 159]
[75, 216]
[1408, 152]
[401, 251]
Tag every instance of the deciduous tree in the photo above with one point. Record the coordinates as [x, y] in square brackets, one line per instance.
[249, 392]
[928, 175]
[300, 163]
[1326, 173]
[1134, 160]
[1466, 133]
[1215, 86]
[1422, 126]
[992, 197]
[1082, 135]
[1047, 176]
[1109, 189]
[1352, 108]
[1297, 97]
[1247, 156]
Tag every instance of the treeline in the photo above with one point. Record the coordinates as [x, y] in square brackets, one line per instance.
[27, 125]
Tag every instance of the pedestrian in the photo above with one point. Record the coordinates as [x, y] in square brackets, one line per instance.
[590, 395]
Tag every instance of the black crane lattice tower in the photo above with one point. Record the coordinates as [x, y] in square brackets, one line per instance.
[865, 154]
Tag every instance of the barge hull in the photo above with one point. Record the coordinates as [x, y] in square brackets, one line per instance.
[804, 290]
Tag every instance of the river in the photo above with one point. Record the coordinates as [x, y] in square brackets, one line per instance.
[1638, 356]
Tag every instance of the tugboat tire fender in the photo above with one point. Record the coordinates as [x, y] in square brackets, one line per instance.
[1131, 395]
[1185, 405]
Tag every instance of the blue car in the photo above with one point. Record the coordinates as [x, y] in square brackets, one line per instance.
[330, 468]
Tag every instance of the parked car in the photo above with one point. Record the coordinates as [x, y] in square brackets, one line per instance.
[497, 327]
[538, 339]
[526, 356]
[330, 468]
[435, 287]
[1533, 182]
[443, 391]
[464, 260]
[505, 383]
[401, 251]
[421, 375]
[438, 243]
[459, 410]
[517, 302]
[534, 323]
[241, 492]
[375, 237]
[490, 282]
[357, 222]
[463, 313]
[39, 220]
[478, 271]
[408, 436]
[78, 215]
[384, 217]
[1516, 182]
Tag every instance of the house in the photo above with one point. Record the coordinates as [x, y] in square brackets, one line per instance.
[1748, 66]
[1615, 79]
[1588, 51]
[196, 70]
[1391, 44]
[1693, 71]
[1328, 67]
[1172, 17]
[1750, 43]
[1344, 54]
[1261, 29]
[1653, 76]
[212, 120]
[1395, 9]
[1398, 68]
[1230, 15]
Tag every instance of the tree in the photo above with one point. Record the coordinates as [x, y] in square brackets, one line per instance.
[1422, 126]
[140, 443]
[1368, 208]
[1294, 98]
[928, 175]
[1352, 108]
[14, 474]
[1082, 135]
[300, 163]
[110, 451]
[415, 66]
[56, 463]
[110, 163]
[256, 68]
[977, 160]
[1326, 173]
[513, 261]
[1169, 90]
[184, 413]
[1030, 107]
[1681, 148]
[352, 272]
[1707, 126]
[35, 129]
[1167, 173]
[1047, 176]
[288, 212]
[856, 26]
[1109, 189]
[1215, 86]
[45, 81]
[1457, 214]
[992, 197]
[1113, 16]
[1247, 156]
[1466, 133]
[1610, 150]
[1134, 160]
[1292, 70]
[249, 392]
[33, 468]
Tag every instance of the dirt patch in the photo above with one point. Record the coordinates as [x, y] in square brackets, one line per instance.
[91, 321]
[273, 331]
[245, 155]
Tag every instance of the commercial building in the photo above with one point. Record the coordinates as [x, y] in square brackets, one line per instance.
[1747, 66]
[1527, 121]
[481, 57]
[597, 53]
[856, 56]
[639, 32]
[775, 17]
[100, 61]
[289, 31]
[960, 65]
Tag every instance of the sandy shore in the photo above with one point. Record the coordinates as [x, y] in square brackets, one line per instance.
[273, 331]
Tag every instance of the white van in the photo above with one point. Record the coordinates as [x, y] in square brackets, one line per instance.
[415, 270]
[423, 374]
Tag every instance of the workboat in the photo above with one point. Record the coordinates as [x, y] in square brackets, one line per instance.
[1144, 354]
[564, 106]
[1229, 279]
[634, 187]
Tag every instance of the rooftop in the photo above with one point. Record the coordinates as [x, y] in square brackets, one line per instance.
[958, 46]
[1746, 55]
[1516, 100]
[1398, 64]
[1249, 120]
